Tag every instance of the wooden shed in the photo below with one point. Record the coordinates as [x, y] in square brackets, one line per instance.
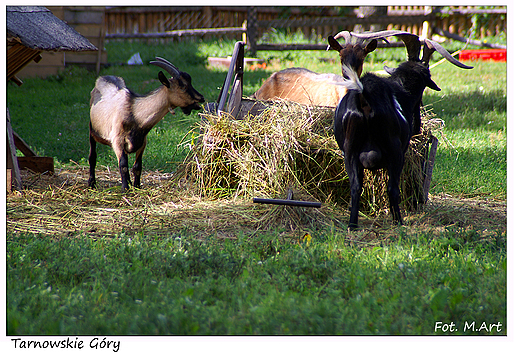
[31, 31]
[88, 21]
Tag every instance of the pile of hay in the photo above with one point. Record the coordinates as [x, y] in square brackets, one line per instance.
[291, 146]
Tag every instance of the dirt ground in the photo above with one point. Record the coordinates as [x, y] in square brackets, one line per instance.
[62, 204]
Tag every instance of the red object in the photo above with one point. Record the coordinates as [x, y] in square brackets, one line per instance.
[484, 54]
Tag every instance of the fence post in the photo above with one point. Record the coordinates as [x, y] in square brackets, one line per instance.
[252, 29]
[426, 28]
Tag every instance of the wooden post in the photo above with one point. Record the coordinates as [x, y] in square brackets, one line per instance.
[100, 49]
[12, 160]
[252, 29]
[429, 168]
[426, 28]
[208, 17]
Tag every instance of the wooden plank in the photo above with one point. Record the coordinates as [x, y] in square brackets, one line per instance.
[89, 30]
[84, 58]
[176, 33]
[39, 164]
[9, 179]
[282, 47]
[429, 168]
[51, 59]
[40, 71]
[464, 40]
[22, 146]
[151, 9]
[18, 57]
[12, 160]
[344, 22]
[72, 17]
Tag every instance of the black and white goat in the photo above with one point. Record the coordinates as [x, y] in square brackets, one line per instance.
[374, 122]
[122, 119]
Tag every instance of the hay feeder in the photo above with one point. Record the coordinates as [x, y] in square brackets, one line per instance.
[260, 149]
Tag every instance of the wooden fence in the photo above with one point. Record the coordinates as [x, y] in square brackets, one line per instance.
[133, 20]
[316, 23]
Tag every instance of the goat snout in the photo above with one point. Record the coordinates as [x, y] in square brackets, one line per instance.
[188, 109]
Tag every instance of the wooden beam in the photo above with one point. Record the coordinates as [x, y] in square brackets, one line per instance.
[19, 56]
[12, 160]
[457, 37]
[22, 146]
[38, 164]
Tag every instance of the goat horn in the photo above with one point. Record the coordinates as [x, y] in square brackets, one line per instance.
[345, 35]
[413, 45]
[378, 35]
[411, 41]
[167, 66]
[434, 46]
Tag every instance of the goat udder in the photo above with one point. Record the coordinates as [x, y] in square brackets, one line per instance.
[370, 159]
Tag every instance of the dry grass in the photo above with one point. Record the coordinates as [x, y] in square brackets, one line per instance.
[61, 205]
[292, 146]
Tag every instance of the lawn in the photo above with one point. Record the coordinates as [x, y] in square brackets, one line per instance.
[163, 262]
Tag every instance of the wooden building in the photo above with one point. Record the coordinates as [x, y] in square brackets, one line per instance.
[33, 31]
[88, 21]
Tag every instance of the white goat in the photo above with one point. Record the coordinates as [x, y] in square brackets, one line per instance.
[122, 119]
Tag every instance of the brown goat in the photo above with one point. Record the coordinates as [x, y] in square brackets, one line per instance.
[302, 86]
[122, 119]
[307, 87]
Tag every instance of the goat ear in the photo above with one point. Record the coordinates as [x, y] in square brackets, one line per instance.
[371, 46]
[431, 84]
[164, 80]
[389, 70]
[333, 43]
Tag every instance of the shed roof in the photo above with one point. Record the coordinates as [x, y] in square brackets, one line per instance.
[37, 28]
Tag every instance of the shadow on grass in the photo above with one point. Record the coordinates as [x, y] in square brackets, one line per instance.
[470, 110]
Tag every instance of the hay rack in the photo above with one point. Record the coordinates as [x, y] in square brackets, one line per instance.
[232, 102]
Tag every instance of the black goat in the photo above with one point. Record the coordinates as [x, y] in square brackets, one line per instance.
[413, 82]
[373, 123]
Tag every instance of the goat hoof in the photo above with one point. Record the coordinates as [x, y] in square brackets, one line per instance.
[353, 226]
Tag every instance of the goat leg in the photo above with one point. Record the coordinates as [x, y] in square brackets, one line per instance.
[92, 158]
[355, 175]
[138, 166]
[123, 169]
[394, 174]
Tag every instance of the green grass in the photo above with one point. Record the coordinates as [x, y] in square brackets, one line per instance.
[262, 286]
[261, 283]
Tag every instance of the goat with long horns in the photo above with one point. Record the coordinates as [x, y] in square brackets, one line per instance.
[121, 119]
[375, 120]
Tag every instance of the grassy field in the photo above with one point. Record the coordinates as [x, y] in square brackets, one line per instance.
[169, 264]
